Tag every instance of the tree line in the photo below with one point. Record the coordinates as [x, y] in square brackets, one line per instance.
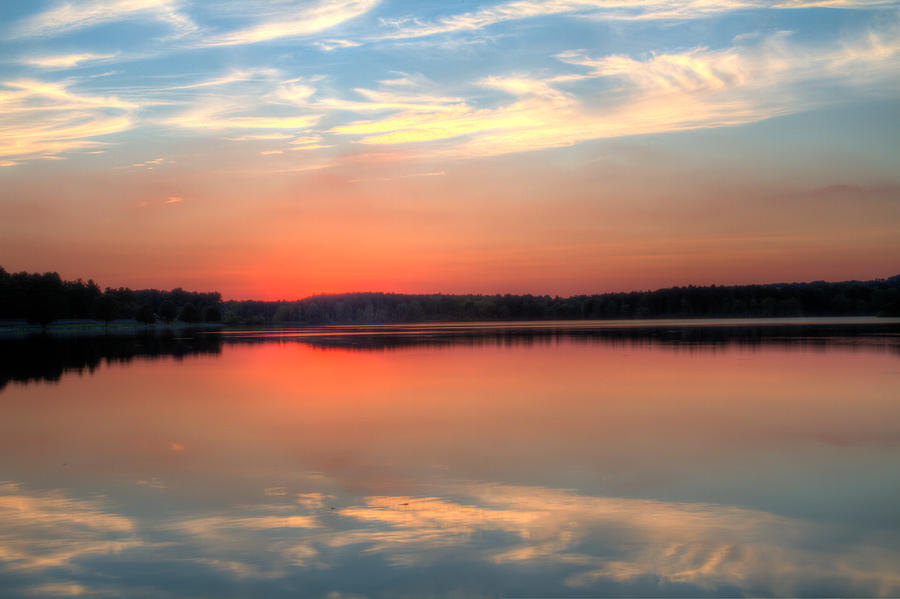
[43, 298]
[852, 298]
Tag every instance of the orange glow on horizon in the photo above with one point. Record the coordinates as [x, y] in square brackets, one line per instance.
[475, 228]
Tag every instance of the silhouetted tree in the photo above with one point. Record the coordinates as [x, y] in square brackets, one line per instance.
[42, 298]
[212, 314]
[231, 317]
[145, 314]
[891, 309]
[46, 302]
[189, 313]
[282, 314]
[106, 308]
[167, 311]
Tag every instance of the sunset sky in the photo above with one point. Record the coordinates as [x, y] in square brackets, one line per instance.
[275, 149]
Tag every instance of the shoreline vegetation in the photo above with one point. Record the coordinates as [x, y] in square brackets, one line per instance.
[43, 301]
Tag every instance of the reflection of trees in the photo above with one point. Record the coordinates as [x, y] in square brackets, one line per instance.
[674, 337]
[46, 357]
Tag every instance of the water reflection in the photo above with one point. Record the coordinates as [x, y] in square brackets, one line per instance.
[47, 357]
[519, 539]
[50, 530]
[864, 333]
[626, 463]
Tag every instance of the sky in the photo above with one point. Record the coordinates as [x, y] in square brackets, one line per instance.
[277, 149]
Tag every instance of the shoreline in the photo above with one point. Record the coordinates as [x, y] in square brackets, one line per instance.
[93, 327]
[73, 328]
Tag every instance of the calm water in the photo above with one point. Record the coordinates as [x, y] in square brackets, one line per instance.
[454, 461]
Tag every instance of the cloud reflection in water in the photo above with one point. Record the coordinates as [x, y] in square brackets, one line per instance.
[49, 530]
[586, 542]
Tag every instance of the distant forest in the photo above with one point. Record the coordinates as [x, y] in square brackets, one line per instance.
[44, 298]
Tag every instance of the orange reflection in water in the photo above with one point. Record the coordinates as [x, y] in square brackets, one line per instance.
[375, 418]
[608, 461]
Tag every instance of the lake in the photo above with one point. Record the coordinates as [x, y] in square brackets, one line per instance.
[657, 458]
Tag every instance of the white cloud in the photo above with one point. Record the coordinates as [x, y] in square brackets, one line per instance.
[329, 45]
[850, 4]
[662, 92]
[41, 119]
[593, 97]
[232, 77]
[223, 118]
[65, 61]
[72, 16]
[254, 100]
[149, 164]
[409, 27]
[519, 9]
[261, 137]
[308, 21]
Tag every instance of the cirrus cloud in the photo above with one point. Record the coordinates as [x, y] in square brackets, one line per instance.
[620, 95]
[42, 119]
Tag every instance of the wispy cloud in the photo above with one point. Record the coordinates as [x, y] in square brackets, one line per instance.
[261, 137]
[218, 119]
[849, 4]
[308, 142]
[163, 201]
[232, 77]
[329, 45]
[581, 97]
[305, 21]
[662, 92]
[153, 483]
[250, 100]
[72, 16]
[39, 118]
[65, 61]
[377, 101]
[149, 164]
[411, 27]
